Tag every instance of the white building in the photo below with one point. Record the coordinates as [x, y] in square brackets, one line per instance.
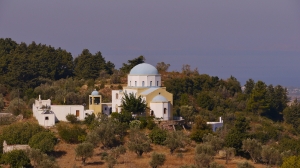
[216, 125]
[48, 114]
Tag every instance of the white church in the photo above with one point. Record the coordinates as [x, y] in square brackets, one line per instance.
[143, 80]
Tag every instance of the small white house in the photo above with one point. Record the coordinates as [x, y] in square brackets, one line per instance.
[216, 125]
[48, 114]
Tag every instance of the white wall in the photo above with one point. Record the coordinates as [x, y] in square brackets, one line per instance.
[61, 111]
[147, 79]
[46, 123]
[158, 109]
[116, 102]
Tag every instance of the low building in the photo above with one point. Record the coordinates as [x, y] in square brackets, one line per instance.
[216, 125]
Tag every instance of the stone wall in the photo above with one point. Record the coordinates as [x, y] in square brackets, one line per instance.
[8, 148]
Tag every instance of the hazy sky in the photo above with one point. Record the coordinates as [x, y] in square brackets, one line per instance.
[247, 39]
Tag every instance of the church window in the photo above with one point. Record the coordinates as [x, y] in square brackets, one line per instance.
[105, 108]
[77, 113]
[165, 110]
[46, 118]
[143, 83]
[97, 100]
[157, 83]
[130, 83]
[152, 113]
[117, 95]
[150, 83]
[135, 83]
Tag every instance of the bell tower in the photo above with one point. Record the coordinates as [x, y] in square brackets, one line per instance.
[95, 101]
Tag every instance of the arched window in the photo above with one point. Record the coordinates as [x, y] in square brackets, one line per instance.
[152, 113]
[165, 110]
[117, 95]
[135, 83]
[116, 108]
[157, 83]
[130, 83]
[143, 83]
[150, 83]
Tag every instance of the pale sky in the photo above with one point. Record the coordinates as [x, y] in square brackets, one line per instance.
[247, 39]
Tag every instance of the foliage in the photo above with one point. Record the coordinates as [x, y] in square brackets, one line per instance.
[292, 161]
[71, 118]
[199, 129]
[135, 124]
[84, 150]
[138, 142]
[16, 159]
[19, 133]
[162, 67]
[205, 101]
[44, 141]
[229, 153]
[123, 116]
[187, 112]
[132, 63]
[175, 139]
[89, 66]
[117, 151]
[70, 133]
[245, 165]
[257, 102]
[215, 141]
[157, 159]
[270, 155]
[291, 115]
[237, 134]
[253, 147]
[39, 159]
[158, 136]
[133, 104]
[88, 120]
[109, 132]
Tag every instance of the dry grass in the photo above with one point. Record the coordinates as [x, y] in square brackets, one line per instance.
[66, 158]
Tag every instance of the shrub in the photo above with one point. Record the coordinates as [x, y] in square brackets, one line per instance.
[70, 134]
[19, 133]
[135, 124]
[44, 141]
[71, 118]
[245, 165]
[158, 136]
[16, 158]
[84, 150]
[157, 160]
[138, 142]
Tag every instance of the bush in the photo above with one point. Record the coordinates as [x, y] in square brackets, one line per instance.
[88, 120]
[44, 141]
[135, 124]
[16, 158]
[245, 165]
[158, 136]
[71, 118]
[157, 160]
[84, 150]
[19, 133]
[70, 134]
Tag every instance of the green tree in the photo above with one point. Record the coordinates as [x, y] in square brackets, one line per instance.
[249, 86]
[205, 101]
[16, 159]
[253, 147]
[229, 153]
[175, 140]
[257, 102]
[270, 155]
[133, 104]
[84, 150]
[157, 159]
[237, 134]
[158, 136]
[199, 129]
[187, 112]
[71, 134]
[132, 63]
[44, 141]
[291, 115]
[138, 142]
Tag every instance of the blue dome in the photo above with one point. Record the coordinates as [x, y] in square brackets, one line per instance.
[95, 92]
[159, 99]
[144, 69]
